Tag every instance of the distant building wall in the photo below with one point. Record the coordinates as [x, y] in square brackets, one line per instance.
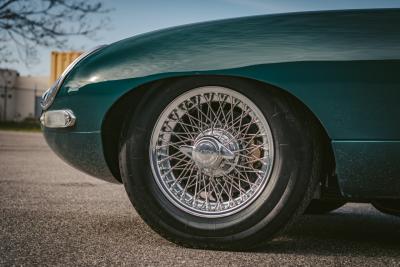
[23, 94]
[60, 61]
[7, 97]
[28, 91]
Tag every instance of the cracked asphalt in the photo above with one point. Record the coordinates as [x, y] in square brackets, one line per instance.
[51, 214]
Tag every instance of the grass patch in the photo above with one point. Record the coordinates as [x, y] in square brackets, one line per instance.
[30, 125]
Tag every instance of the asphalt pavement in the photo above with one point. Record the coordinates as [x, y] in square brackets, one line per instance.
[51, 214]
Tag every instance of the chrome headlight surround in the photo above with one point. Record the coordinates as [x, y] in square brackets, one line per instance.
[50, 94]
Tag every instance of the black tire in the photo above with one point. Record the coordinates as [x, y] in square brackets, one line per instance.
[318, 206]
[297, 166]
[388, 206]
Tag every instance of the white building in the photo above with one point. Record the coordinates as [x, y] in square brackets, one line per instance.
[20, 95]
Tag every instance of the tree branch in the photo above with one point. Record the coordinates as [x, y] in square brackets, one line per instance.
[47, 23]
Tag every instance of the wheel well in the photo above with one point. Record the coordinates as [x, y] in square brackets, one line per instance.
[122, 109]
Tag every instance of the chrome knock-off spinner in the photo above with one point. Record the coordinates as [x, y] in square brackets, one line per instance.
[210, 153]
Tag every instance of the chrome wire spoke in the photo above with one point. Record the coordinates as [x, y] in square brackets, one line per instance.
[211, 152]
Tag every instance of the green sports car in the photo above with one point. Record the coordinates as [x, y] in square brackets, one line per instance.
[224, 132]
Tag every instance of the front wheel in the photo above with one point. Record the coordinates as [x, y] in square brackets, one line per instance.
[219, 163]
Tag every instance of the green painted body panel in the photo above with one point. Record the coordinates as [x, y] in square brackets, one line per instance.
[343, 65]
[81, 150]
[368, 169]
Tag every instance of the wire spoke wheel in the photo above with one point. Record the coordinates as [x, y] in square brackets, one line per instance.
[229, 166]
[211, 152]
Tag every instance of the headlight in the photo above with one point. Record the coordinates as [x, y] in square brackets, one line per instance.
[50, 94]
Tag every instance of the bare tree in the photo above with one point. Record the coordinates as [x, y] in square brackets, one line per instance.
[27, 24]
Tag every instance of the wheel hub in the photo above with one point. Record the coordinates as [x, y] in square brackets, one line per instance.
[206, 153]
[213, 152]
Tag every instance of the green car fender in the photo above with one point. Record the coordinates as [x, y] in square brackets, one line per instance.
[342, 65]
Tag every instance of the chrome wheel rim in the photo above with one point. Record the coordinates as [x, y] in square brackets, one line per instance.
[211, 152]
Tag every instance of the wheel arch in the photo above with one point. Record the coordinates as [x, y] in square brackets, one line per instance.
[125, 106]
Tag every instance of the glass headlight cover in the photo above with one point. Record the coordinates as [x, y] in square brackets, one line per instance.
[50, 94]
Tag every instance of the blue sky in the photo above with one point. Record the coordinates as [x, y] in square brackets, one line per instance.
[138, 16]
